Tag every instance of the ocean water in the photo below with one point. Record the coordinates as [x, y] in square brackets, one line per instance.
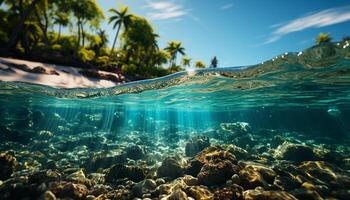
[302, 98]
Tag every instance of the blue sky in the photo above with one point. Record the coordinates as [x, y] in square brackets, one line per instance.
[239, 32]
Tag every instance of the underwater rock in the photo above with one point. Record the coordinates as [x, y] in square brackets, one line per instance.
[286, 182]
[194, 167]
[346, 163]
[190, 180]
[119, 194]
[79, 177]
[8, 165]
[119, 171]
[255, 175]
[45, 176]
[99, 189]
[217, 166]
[18, 188]
[103, 162]
[277, 140]
[271, 195]
[135, 152]
[327, 155]
[199, 193]
[48, 195]
[294, 152]
[215, 153]
[217, 173]
[325, 174]
[209, 155]
[306, 194]
[196, 144]
[228, 192]
[177, 194]
[341, 194]
[144, 187]
[69, 190]
[239, 152]
[171, 167]
[236, 128]
[237, 133]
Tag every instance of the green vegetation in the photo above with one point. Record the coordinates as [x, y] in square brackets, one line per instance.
[199, 64]
[121, 18]
[186, 62]
[323, 38]
[33, 29]
[173, 49]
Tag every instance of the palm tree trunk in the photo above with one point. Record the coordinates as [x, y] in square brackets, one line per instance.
[19, 26]
[59, 32]
[82, 35]
[43, 27]
[115, 40]
[78, 42]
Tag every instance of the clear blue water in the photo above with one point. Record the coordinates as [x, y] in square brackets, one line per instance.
[302, 98]
[291, 97]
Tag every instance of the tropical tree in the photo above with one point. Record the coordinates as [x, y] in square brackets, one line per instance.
[160, 57]
[18, 25]
[86, 11]
[120, 18]
[214, 62]
[174, 48]
[323, 38]
[99, 41]
[43, 14]
[186, 62]
[103, 37]
[139, 42]
[199, 64]
[62, 20]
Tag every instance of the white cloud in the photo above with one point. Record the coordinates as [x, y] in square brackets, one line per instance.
[226, 7]
[316, 20]
[162, 10]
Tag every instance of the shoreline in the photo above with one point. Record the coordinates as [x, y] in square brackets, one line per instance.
[56, 75]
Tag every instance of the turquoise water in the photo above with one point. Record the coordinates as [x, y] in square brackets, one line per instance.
[303, 98]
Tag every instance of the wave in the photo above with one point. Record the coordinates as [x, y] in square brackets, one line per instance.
[319, 74]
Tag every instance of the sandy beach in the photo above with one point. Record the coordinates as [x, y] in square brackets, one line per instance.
[52, 75]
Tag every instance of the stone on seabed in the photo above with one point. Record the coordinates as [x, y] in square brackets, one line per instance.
[196, 144]
[7, 165]
[271, 195]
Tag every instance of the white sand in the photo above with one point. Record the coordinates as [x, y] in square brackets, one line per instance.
[69, 77]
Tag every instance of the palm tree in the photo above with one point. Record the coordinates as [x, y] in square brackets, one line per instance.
[121, 18]
[199, 64]
[61, 19]
[103, 37]
[173, 49]
[186, 61]
[18, 27]
[214, 62]
[323, 38]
